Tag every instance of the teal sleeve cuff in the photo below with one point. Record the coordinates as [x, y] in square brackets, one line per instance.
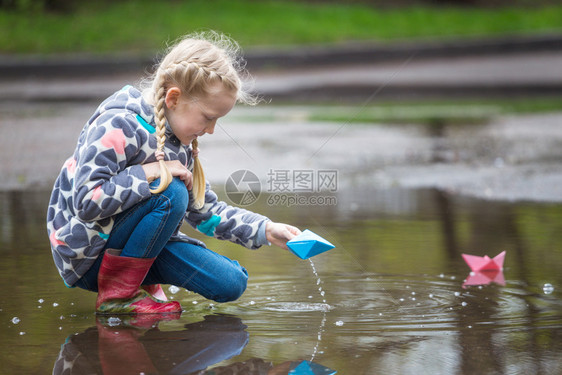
[261, 238]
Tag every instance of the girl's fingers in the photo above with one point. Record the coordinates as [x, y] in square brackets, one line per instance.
[177, 169]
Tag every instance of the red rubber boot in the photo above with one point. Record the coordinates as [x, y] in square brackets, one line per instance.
[156, 291]
[119, 292]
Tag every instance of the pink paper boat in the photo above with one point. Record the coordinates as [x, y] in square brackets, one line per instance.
[484, 263]
[484, 278]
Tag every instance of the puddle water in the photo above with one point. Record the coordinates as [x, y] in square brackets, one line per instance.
[390, 298]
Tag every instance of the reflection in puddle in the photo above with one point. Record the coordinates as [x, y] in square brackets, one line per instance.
[484, 278]
[135, 345]
[127, 348]
[393, 295]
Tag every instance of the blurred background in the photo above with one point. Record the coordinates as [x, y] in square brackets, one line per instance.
[441, 121]
[433, 63]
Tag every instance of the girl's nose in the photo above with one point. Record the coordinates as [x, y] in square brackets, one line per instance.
[211, 129]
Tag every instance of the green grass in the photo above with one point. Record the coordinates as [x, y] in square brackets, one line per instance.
[444, 112]
[142, 26]
[438, 113]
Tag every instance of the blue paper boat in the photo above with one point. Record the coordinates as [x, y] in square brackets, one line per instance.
[311, 368]
[308, 244]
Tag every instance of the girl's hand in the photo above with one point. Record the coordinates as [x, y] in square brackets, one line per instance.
[177, 169]
[278, 233]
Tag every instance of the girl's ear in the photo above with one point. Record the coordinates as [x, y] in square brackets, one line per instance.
[173, 96]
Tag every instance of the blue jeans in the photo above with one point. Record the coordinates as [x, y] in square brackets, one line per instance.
[144, 231]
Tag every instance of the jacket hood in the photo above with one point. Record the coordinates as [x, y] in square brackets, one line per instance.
[130, 99]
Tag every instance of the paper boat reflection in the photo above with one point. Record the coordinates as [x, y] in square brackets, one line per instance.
[484, 278]
[311, 368]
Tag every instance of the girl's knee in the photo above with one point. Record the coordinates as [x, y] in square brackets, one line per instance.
[177, 193]
[233, 286]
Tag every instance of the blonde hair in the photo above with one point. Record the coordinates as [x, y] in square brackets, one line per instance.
[194, 64]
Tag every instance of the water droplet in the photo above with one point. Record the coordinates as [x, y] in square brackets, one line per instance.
[441, 276]
[194, 302]
[40, 300]
[430, 295]
[464, 303]
[309, 297]
[469, 326]
[457, 294]
[252, 302]
[173, 289]
[55, 304]
[113, 321]
[22, 333]
[15, 320]
[547, 288]
[339, 323]
[413, 293]
[61, 317]
[401, 300]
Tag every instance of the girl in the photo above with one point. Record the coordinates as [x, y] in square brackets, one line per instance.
[116, 207]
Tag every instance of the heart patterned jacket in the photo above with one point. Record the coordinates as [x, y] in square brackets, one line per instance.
[104, 177]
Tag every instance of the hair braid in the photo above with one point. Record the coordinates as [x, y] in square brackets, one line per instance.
[192, 72]
[199, 184]
[160, 119]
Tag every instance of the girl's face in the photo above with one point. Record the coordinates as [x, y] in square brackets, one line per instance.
[193, 117]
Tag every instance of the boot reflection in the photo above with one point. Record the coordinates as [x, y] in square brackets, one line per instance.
[256, 366]
[134, 344]
[121, 352]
